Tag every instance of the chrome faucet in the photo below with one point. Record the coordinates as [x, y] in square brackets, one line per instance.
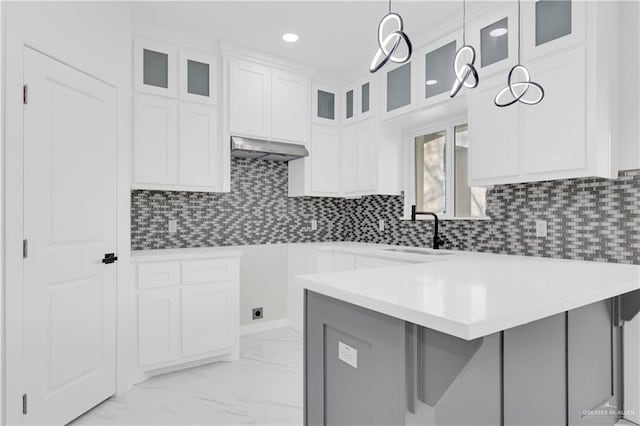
[437, 241]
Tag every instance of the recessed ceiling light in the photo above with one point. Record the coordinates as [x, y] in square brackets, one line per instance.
[290, 37]
[498, 32]
[431, 82]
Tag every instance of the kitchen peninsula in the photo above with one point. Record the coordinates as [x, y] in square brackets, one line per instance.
[468, 339]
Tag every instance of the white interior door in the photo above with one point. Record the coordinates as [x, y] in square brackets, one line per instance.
[70, 223]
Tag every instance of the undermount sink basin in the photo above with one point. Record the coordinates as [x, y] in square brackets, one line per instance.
[418, 251]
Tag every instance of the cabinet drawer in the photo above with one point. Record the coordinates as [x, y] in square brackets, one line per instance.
[160, 274]
[208, 271]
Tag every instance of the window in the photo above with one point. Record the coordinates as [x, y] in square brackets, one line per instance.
[441, 160]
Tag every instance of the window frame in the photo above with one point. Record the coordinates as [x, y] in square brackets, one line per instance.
[449, 128]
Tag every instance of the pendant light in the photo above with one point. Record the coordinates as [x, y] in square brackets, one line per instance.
[387, 45]
[465, 71]
[519, 83]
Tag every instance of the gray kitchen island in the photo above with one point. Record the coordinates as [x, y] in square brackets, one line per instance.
[475, 339]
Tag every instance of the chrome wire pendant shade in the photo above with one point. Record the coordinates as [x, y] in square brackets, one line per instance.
[465, 71]
[519, 87]
[389, 44]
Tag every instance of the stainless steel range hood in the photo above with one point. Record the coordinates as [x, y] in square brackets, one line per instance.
[266, 150]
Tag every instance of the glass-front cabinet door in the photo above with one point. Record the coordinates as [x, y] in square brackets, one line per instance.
[155, 68]
[325, 104]
[399, 89]
[358, 100]
[436, 75]
[350, 107]
[551, 25]
[494, 36]
[197, 77]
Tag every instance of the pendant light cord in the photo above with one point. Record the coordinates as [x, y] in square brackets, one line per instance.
[389, 6]
[519, 32]
[464, 22]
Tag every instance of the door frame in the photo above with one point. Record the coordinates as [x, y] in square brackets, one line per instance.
[17, 37]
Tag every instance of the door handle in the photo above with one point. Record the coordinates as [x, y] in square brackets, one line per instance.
[109, 258]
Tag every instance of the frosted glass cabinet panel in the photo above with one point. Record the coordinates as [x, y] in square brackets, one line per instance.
[399, 87]
[155, 67]
[439, 74]
[494, 42]
[349, 109]
[197, 77]
[364, 98]
[325, 103]
[553, 20]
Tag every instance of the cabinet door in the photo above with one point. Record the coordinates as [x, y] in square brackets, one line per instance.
[290, 107]
[349, 159]
[366, 156]
[325, 159]
[197, 77]
[325, 104]
[158, 326]
[155, 68]
[207, 318]
[494, 35]
[494, 132]
[368, 98]
[436, 75]
[200, 149]
[249, 99]
[155, 140]
[398, 90]
[553, 133]
[350, 107]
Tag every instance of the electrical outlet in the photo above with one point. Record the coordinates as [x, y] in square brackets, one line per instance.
[257, 313]
[173, 226]
[381, 225]
[541, 228]
[314, 224]
[347, 354]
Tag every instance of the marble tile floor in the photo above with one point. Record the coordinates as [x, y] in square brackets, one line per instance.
[263, 388]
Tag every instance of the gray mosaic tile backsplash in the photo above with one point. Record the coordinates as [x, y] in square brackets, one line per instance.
[592, 219]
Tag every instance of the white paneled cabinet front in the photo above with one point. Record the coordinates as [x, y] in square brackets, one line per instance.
[249, 99]
[199, 150]
[325, 159]
[289, 107]
[176, 145]
[359, 163]
[188, 310]
[156, 140]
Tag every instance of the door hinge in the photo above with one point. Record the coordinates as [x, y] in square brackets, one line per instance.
[25, 94]
[24, 403]
[25, 248]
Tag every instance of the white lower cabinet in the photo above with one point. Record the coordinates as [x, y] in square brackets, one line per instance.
[187, 311]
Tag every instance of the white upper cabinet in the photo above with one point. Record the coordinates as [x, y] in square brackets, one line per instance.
[199, 147]
[268, 103]
[573, 131]
[435, 73]
[155, 69]
[398, 89]
[359, 100]
[198, 77]
[319, 173]
[155, 140]
[325, 104]
[290, 107]
[249, 99]
[494, 35]
[359, 162]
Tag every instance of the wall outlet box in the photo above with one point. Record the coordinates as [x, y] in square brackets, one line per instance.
[347, 354]
[257, 313]
[173, 226]
[314, 224]
[381, 225]
[541, 228]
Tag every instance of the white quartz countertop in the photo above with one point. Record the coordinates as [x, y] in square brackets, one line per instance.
[183, 253]
[470, 295]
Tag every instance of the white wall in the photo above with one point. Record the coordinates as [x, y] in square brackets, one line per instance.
[94, 37]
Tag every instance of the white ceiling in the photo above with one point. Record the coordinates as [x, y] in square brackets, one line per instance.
[336, 37]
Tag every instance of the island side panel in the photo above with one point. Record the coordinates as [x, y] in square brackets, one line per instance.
[369, 387]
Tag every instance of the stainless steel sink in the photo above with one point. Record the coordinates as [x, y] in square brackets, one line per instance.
[425, 252]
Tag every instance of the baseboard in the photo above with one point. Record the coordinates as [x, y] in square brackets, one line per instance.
[263, 326]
